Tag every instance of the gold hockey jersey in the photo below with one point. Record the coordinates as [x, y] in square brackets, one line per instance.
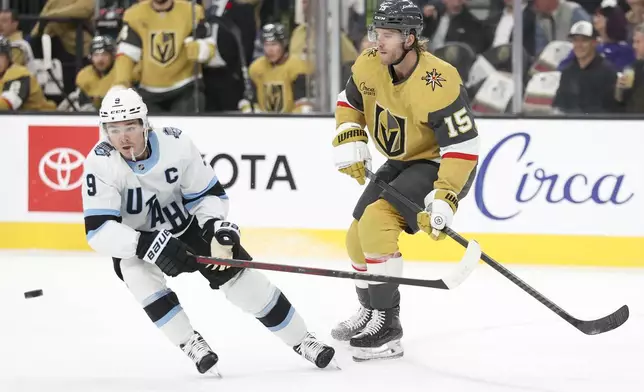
[425, 116]
[280, 88]
[19, 90]
[156, 40]
[95, 85]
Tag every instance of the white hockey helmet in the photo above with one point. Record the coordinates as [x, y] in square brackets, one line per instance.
[123, 105]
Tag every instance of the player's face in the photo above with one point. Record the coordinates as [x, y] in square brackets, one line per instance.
[102, 61]
[389, 44]
[126, 136]
[638, 45]
[583, 47]
[273, 50]
[4, 63]
[7, 25]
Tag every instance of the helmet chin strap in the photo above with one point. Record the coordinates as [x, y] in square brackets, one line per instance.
[405, 51]
[145, 147]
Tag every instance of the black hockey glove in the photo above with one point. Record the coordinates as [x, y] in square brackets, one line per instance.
[170, 254]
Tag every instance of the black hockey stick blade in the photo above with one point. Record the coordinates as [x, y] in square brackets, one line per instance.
[444, 284]
[590, 327]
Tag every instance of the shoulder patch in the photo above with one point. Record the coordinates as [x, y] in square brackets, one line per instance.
[104, 149]
[370, 52]
[172, 132]
[433, 79]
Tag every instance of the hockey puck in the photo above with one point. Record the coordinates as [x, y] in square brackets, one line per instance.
[33, 293]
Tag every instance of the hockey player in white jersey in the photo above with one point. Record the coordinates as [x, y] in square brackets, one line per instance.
[151, 203]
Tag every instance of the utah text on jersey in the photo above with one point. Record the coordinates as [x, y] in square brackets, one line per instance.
[165, 191]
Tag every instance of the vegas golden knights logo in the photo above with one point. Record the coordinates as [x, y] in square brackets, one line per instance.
[390, 132]
[163, 46]
[274, 97]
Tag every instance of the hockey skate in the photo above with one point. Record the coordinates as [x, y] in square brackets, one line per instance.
[380, 339]
[347, 329]
[201, 354]
[315, 351]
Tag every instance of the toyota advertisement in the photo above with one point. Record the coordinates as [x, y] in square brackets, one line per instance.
[56, 155]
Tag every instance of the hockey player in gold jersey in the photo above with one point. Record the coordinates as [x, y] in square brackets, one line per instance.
[95, 80]
[158, 34]
[19, 89]
[279, 79]
[415, 108]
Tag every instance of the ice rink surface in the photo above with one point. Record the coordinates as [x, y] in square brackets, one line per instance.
[87, 334]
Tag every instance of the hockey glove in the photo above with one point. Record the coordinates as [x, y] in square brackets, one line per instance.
[351, 153]
[170, 254]
[224, 235]
[440, 206]
[198, 50]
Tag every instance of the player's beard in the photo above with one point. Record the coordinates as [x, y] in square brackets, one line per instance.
[133, 155]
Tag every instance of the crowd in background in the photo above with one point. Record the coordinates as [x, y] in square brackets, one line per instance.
[584, 57]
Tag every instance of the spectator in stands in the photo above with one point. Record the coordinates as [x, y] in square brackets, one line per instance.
[630, 84]
[587, 84]
[554, 19]
[298, 44]
[500, 25]
[19, 89]
[63, 34]
[20, 49]
[279, 80]
[634, 16]
[452, 21]
[610, 23]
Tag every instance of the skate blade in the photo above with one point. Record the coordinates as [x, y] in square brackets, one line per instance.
[214, 371]
[333, 365]
[391, 350]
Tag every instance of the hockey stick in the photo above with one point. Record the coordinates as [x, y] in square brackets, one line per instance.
[467, 264]
[47, 63]
[236, 32]
[590, 327]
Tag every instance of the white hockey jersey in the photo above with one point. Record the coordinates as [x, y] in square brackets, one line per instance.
[165, 191]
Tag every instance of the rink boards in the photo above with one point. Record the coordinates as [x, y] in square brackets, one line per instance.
[547, 191]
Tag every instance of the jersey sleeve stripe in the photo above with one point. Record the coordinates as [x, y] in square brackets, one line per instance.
[343, 101]
[13, 99]
[214, 188]
[99, 212]
[130, 51]
[460, 155]
[468, 149]
[93, 224]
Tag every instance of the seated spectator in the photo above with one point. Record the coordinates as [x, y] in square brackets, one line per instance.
[20, 49]
[630, 84]
[452, 21]
[611, 25]
[634, 16]
[19, 88]
[279, 80]
[554, 18]
[588, 82]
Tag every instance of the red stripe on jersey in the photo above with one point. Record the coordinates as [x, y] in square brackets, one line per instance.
[375, 261]
[345, 105]
[461, 155]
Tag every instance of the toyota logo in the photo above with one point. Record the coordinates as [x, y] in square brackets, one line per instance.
[63, 161]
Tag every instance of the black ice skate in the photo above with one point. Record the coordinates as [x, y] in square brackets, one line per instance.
[380, 339]
[201, 354]
[347, 329]
[315, 351]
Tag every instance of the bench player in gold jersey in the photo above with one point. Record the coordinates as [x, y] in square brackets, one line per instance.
[415, 108]
[95, 80]
[19, 89]
[158, 34]
[279, 79]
